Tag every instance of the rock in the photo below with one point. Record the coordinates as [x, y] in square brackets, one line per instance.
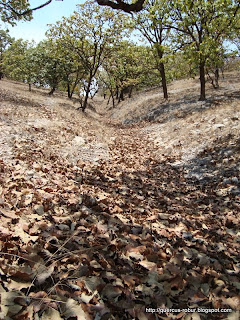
[235, 180]
[79, 141]
[187, 236]
[63, 227]
[234, 191]
[218, 126]
[39, 209]
[226, 181]
[79, 179]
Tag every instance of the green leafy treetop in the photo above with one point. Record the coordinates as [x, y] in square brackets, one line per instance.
[90, 34]
[201, 27]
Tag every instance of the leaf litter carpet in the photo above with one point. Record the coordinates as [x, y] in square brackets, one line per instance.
[96, 225]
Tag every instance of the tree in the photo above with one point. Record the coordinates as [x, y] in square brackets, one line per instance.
[128, 67]
[90, 34]
[5, 41]
[152, 24]
[12, 10]
[73, 70]
[50, 66]
[18, 62]
[201, 26]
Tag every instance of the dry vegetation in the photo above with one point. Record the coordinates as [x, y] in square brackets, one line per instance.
[106, 213]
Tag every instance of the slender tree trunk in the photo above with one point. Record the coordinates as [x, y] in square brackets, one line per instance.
[113, 100]
[109, 99]
[121, 96]
[117, 92]
[164, 81]
[29, 87]
[86, 95]
[202, 81]
[69, 91]
[52, 91]
[73, 87]
[130, 92]
[162, 73]
[216, 75]
[222, 71]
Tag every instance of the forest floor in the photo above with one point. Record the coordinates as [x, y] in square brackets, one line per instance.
[107, 213]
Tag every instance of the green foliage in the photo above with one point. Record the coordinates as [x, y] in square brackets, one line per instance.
[23, 61]
[128, 67]
[89, 34]
[152, 23]
[200, 29]
[12, 11]
[50, 66]
[5, 41]
[18, 61]
[178, 67]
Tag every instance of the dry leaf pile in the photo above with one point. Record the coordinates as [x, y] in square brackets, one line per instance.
[108, 238]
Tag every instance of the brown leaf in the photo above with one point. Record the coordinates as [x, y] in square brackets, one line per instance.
[151, 266]
[111, 292]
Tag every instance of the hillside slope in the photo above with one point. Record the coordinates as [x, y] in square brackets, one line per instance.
[102, 219]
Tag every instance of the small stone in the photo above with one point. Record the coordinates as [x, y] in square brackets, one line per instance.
[39, 209]
[234, 191]
[63, 227]
[235, 180]
[79, 140]
[218, 126]
[226, 181]
[79, 179]
[187, 236]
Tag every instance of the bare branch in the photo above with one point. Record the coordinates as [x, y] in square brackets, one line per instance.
[121, 5]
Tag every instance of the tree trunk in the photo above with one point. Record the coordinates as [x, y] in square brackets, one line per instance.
[29, 87]
[52, 91]
[113, 100]
[69, 91]
[121, 96]
[73, 88]
[216, 74]
[109, 99]
[130, 92]
[162, 73]
[202, 82]
[117, 92]
[164, 81]
[86, 95]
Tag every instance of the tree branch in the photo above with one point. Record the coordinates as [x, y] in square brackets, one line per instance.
[28, 10]
[121, 5]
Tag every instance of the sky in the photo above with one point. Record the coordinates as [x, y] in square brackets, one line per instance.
[36, 28]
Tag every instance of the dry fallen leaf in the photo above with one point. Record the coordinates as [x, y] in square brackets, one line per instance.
[73, 309]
